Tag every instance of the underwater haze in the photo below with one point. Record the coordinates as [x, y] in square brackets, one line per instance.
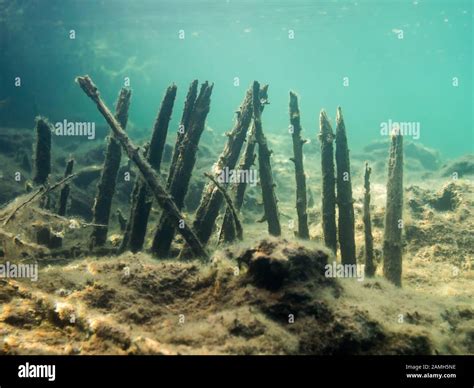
[405, 61]
[281, 177]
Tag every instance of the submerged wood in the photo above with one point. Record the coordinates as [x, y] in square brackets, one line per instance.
[228, 233]
[40, 193]
[235, 218]
[392, 240]
[183, 125]
[151, 177]
[369, 241]
[212, 197]
[265, 168]
[64, 195]
[326, 138]
[108, 177]
[183, 168]
[298, 142]
[42, 151]
[345, 203]
[142, 199]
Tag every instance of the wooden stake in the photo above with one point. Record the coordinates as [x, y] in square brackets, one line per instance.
[235, 218]
[108, 177]
[42, 151]
[298, 142]
[265, 167]
[326, 138]
[392, 244]
[345, 203]
[369, 241]
[142, 200]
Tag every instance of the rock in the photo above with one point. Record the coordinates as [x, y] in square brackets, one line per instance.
[274, 262]
[246, 329]
[448, 199]
[461, 166]
[108, 330]
[100, 296]
[428, 157]
[416, 199]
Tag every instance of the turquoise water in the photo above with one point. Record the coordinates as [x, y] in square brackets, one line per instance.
[409, 78]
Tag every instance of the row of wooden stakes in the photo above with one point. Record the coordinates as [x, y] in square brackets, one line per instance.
[242, 141]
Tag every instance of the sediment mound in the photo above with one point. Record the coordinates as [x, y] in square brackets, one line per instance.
[133, 304]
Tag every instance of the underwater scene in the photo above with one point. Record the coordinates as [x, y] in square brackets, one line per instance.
[266, 177]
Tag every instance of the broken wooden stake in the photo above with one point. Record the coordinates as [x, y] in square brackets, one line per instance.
[265, 168]
[326, 138]
[42, 151]
[142, 198]
[298, 142]
[345, 203]
[369, 240]
[108, 177]
[183, 126]
[392, 240]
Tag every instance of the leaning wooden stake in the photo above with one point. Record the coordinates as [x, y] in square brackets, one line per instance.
[42, 151]
[265, 168]
[235, 218]
[326, 137]
[228, 232]
[108, 178]
[63, 197]
[392, 244]
[141, 201]
[183, 167]
[212, 197]
[345, 203]
[149, 174]
[298, 142]
[369, 241]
